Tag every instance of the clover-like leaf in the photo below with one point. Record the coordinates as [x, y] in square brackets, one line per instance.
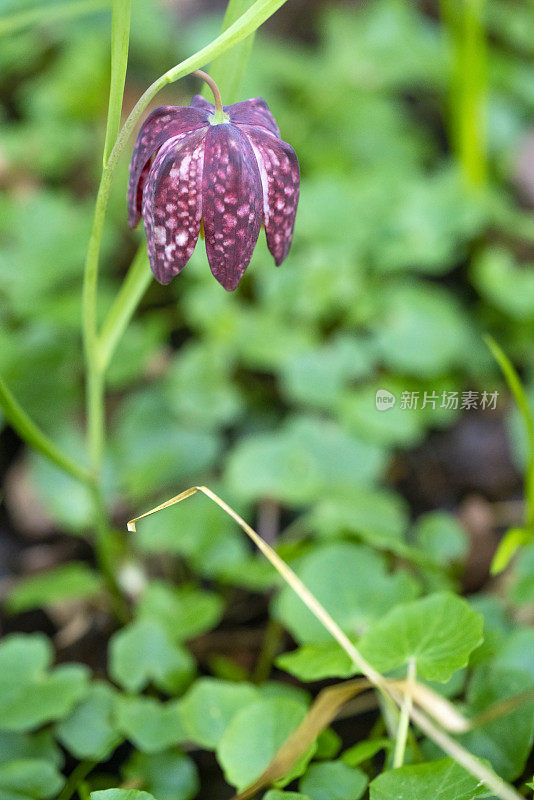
[279, 794]
[441, 535]
[89, 732]
[209, 706]
[315, 662]
[143, 653]
[307, 458]
[30, 695]
[184, 612]
[121, 794]
[41, 745]
[169, 775]
[151, 725]
[29, 779]
[333, 780]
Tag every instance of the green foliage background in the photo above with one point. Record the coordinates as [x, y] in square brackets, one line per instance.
[401, 261]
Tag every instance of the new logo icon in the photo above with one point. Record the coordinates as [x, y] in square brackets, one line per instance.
[384, 400]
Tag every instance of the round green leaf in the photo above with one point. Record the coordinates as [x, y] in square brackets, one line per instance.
[439, 780]
[308, 458]
[253, 737]
[143, 653]
[170, 775]
[333, 780]
[315, 662]
[184, 612]
[441, 536]
[351, 582]
[30, 701]
[506, 743]
[152, 726]
[209, 706]
[89, 732]
[29, 779]
[437, 632]
[121, 794]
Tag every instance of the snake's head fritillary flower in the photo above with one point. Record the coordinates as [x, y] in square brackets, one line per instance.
[224, 168]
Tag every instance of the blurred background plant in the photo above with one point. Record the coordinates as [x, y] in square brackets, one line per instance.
[414, 237]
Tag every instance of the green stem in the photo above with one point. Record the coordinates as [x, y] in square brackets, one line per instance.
[76, 777]
[106, 547]
[120, 31]
[47, 13]
[95, 374]
[219, 111]
[404, 720]
[34, 436]
[95, 381]
[124, 306]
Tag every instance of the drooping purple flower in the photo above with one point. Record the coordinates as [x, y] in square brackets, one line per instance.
[187, 169]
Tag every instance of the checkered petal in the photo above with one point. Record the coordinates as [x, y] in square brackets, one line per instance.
[172, 204]
[253, 112]
[231, 203]
[280, 176]
[162, 124]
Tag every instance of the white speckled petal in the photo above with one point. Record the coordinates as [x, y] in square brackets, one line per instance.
[231, 203]
[161, 125]
[280, 176]
[172, 205]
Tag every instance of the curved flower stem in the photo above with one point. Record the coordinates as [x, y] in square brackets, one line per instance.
[219, 112]
[34, 436]
[404, 718]
[246, 24]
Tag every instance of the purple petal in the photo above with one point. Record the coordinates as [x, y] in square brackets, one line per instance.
[231, 203]
[200, 102]
[162, 124]
[253, 112]
[280, 176]
[172, 204]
